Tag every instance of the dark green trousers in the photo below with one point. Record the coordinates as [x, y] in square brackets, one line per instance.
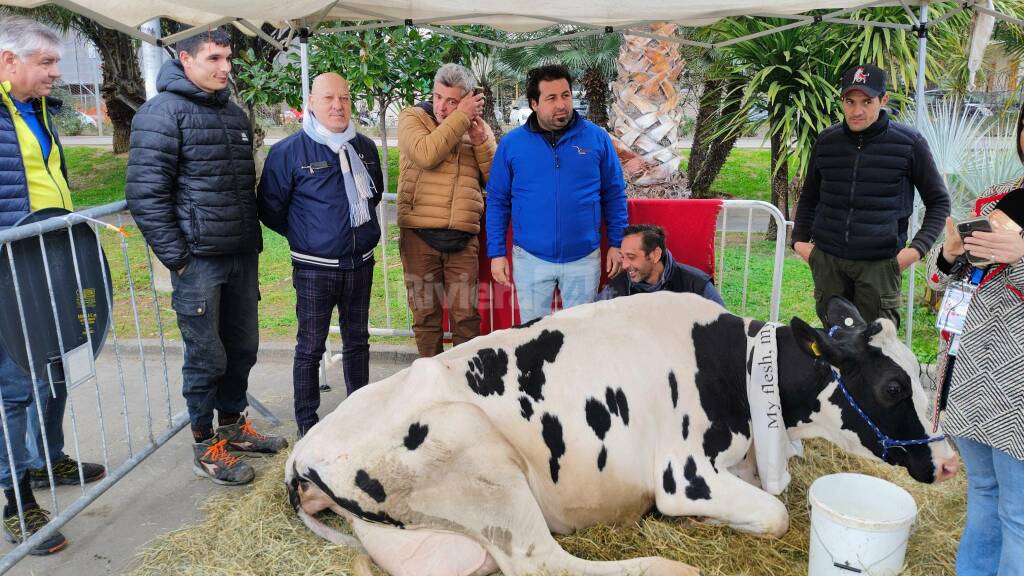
[873, 286]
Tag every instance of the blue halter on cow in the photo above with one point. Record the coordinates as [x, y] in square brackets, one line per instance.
[465, 463]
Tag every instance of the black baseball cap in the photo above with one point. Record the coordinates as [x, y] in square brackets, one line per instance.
[867, 78]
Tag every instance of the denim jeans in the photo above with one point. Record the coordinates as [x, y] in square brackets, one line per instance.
[23, 421]
[217, 301]
[318, 293]
[993, 539]
[536, 280]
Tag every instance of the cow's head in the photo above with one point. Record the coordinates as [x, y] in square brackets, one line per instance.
[882, 376]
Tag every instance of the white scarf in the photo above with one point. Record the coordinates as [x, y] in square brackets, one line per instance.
[772, 446]
[358, 185]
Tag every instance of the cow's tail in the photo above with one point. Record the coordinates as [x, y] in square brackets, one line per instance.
[362, 566]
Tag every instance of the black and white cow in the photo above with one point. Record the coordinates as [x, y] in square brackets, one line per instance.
[465, 463]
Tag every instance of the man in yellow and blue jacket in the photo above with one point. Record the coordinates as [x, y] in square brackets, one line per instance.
[33, 176]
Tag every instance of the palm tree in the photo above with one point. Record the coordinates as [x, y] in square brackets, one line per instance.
[646, 115]
[493, 76]
[591, 59]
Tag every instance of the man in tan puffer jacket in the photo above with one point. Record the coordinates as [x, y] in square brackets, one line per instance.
[445, 153]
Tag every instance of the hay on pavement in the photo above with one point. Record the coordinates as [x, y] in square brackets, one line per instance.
[254, 531]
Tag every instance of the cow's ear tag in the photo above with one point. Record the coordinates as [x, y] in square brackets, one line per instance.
[815, 349]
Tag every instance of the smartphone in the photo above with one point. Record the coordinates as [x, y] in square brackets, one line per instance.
[968, 227]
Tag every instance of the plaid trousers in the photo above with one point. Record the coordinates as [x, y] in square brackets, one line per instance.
[318, 292]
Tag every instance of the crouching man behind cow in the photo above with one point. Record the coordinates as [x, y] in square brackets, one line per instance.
[488, 448]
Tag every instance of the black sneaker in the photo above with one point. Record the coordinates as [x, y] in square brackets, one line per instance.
[65, 472]
[211, 459]
[35, 519]
[242, 437]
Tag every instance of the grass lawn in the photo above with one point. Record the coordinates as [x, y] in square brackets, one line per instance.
[97, 177]
[744, 175]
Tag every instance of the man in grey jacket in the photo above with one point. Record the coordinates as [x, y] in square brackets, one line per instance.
[191, 189]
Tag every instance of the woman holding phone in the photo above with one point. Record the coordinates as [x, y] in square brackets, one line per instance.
[985, 411]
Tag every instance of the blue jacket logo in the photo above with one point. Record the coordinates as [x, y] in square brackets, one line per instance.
[581, 150]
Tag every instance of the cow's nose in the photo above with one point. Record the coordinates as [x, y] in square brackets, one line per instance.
[946, 469]
[293, 493]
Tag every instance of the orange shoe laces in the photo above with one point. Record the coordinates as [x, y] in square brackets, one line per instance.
[218, 453]
[248, 429]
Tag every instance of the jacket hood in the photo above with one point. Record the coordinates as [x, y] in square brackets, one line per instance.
[172, 79]
[429, 108]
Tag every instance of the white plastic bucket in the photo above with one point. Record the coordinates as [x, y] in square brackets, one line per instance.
[859, 525]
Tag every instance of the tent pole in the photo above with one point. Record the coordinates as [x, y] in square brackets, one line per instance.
[304, 63]
[922, 55]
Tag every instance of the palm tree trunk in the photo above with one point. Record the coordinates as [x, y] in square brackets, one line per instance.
[123, 88]
[596, 86]
[707, 111]
[489, 116]
[780, 183]
[646, 114]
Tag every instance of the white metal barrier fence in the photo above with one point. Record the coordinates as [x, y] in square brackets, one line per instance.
[131, 380]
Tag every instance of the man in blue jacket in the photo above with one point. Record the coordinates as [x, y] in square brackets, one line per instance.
[319, 188]
[556, 178]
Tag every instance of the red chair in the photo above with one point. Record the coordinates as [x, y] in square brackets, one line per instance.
[689, 226]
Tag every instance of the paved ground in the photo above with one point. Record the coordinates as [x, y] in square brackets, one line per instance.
[162, 493]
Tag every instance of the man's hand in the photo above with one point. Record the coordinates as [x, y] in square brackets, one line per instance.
[499, 271]
[1001, 246]
[477, 131]
[953, 246]
[472, 105]
[181, 270]
[613, 262]
[906, 257]
[803, 250]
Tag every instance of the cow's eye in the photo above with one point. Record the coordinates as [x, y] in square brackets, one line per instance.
[894, 389]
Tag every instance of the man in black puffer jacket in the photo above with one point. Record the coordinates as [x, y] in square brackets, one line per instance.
[857, 200]
[191, 188]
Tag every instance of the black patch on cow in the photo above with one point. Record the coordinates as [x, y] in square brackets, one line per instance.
[686, 426]
[602, 458]
[529, 323]
[620, 399]
[697, 488]
[750, 361]
[551, 429]
[720, 350]
[668, 480]
[373, 488]
[673, 388]
[351, 505]
[598, 418]
[754, 327]
[609, 399]
[717, 439]
[801, 379]
[530, 359]
[417, 434]
[525, 407]
[487, 371]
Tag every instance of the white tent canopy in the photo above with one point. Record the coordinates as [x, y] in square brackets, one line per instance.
[518, 16]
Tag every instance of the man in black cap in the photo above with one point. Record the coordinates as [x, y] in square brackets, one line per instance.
[858, 197]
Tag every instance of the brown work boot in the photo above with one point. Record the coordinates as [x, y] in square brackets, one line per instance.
[213, 461]
[242, 437]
